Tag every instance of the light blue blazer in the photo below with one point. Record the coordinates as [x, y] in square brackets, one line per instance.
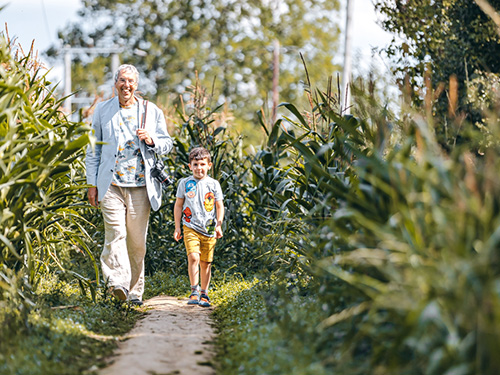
[101, 157]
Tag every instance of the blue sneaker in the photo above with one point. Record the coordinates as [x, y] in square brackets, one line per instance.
[204, 300]
[194, 298]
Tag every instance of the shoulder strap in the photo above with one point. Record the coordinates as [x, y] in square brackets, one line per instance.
[143, 122]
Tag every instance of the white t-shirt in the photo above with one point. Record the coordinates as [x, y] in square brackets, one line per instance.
[198, 210]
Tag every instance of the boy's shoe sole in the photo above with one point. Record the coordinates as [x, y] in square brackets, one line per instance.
[137, 302]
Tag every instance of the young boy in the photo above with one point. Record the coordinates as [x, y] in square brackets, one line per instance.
[200, 205]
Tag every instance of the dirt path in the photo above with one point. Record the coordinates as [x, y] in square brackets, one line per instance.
[173, 338]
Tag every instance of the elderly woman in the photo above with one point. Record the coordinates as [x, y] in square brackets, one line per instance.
[129, 131]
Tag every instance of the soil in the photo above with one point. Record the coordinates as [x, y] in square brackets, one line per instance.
[173, 338]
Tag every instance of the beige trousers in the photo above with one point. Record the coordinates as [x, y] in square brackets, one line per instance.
[125, 211]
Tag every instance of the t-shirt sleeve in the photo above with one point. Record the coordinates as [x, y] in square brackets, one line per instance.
[180, 189]
[218, 192]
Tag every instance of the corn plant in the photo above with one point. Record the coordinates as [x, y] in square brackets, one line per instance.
[425, 265]
[402, 240]
[304, 173]
[40, 177]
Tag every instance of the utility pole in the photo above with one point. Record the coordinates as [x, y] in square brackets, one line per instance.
[276, 79]
[346, 76]
[68, 58]
[67, 79]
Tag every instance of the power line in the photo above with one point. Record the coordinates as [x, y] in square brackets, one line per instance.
[46, 20]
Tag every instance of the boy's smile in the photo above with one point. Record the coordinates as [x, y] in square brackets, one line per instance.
[200, 168]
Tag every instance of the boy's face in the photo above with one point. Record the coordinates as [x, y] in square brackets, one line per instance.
[200, 168]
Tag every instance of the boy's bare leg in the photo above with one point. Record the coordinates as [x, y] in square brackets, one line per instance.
[205, 274]
[193, 266]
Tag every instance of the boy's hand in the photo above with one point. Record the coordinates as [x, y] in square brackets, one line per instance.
[177, 235]
[218, 231]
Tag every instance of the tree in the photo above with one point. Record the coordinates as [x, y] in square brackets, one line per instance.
[441, 39]
[229, 41]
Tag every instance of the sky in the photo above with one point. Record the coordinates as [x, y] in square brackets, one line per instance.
[39, 21]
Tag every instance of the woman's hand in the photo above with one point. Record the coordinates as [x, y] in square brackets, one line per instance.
[143, 135]
[92, 195]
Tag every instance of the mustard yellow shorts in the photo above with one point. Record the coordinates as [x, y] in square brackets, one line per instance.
[198, 243]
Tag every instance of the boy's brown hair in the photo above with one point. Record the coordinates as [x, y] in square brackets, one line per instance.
[199, 153]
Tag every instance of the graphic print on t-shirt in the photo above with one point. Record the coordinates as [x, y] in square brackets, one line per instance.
[199, 209]
[209, 201]
[130, 167]
[187, 214]
[191, 188]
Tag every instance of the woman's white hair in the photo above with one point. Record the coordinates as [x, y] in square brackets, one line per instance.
[127, 67]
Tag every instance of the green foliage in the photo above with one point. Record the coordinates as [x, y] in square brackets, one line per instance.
[304, 174]
[397, 241]
[15, 301]
[265, 328]
[425, 266]
[436, 41]
[166, 283]
[41, 227]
